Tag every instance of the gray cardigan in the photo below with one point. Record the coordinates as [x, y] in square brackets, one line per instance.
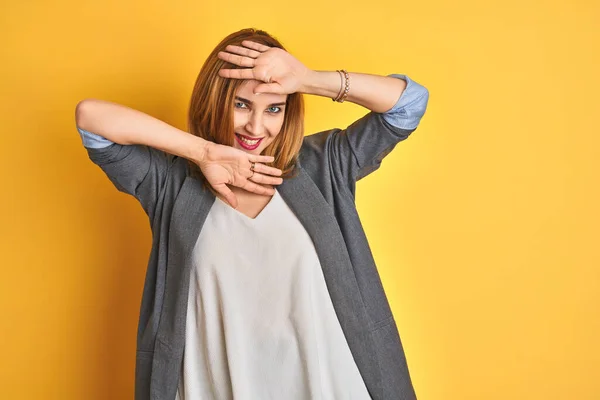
[321, 196]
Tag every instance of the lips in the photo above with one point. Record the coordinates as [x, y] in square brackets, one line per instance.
[248, 142]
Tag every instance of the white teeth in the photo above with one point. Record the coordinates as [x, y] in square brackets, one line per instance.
[249, 142]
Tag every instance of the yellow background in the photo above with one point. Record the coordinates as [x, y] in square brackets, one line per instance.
[484, 223]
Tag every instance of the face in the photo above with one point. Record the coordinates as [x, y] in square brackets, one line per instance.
[257, 119]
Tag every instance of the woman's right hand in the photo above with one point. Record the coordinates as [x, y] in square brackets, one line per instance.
[224, 165]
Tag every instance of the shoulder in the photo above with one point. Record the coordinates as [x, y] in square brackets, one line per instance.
[315, 150]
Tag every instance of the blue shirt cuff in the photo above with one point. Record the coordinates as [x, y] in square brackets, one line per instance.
[93, 141]
[410, 107]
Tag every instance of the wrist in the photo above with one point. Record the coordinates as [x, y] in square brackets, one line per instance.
[308, 81]
[322, 83]
[198, 149]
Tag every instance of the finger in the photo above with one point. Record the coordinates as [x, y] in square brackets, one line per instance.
[264, 169]
[227, 193]
[245, 73]
[266, 180]
[256, 188]
[255, 46]
[236, 59]
[244, 51]
[269, 88]
[261, 159]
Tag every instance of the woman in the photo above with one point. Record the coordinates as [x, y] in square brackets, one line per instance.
[260, 282]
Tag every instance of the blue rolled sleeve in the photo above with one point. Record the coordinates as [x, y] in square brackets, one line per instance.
[410, 107]
[93, 141]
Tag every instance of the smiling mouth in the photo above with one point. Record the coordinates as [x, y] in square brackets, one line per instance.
[246, 142]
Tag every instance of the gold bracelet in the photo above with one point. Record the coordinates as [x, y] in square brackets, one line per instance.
[341, 87]
[347, 88]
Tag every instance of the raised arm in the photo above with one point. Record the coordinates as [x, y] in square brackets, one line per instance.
[401, 100]
[104, 123]
[284, 74]
[135, 150]
[396, 104]
[375, 92]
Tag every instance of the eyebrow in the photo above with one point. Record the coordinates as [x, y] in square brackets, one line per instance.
[249, 102]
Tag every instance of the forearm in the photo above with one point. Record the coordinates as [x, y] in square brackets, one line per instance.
[124, 125]
[375, 92]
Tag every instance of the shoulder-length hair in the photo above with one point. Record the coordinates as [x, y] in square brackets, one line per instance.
[210, 113]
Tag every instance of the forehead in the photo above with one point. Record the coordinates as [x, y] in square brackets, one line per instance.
[246, 90]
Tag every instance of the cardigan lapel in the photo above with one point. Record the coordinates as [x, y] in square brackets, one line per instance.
[189, 213]
[316, 215]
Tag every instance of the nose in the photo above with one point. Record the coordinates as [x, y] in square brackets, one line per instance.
[255, 124]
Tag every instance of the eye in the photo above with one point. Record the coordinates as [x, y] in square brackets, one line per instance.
[274, 110]
[239, 104]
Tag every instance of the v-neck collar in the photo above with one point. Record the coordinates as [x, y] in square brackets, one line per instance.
[241, 214]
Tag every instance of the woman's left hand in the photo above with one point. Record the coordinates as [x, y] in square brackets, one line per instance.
[281, 71]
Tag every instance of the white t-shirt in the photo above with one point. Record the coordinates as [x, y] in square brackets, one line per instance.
[260, 322]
